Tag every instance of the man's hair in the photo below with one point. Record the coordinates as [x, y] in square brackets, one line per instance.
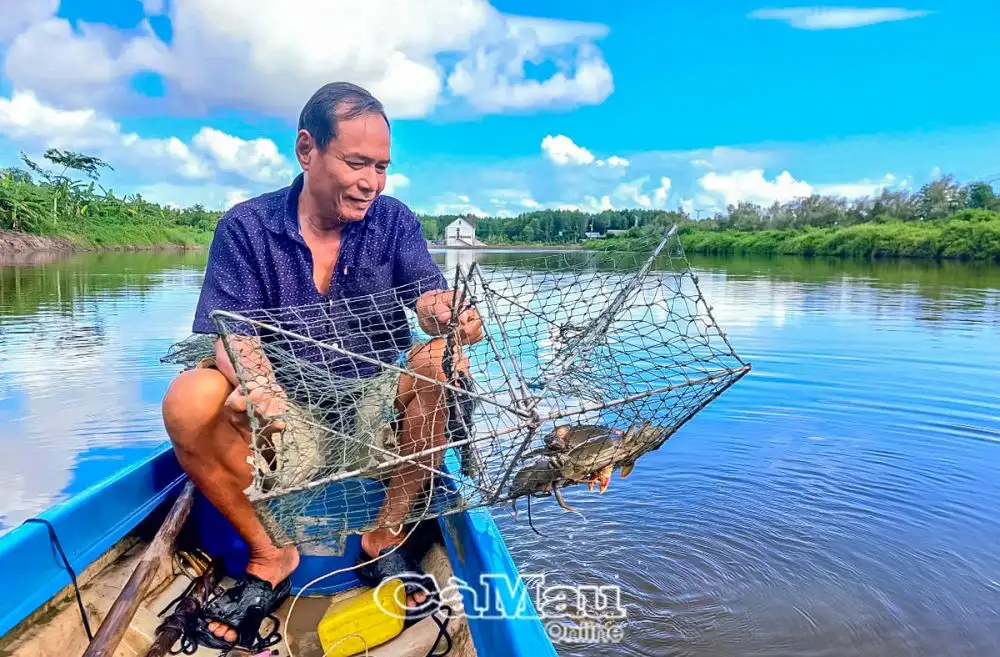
[337, 101]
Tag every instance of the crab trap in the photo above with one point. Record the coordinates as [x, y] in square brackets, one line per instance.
[361, 419]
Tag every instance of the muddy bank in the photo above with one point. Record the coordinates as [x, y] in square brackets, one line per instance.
[24, 248]
[14, 242]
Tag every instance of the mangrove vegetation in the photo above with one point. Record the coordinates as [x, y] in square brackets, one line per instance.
[943, 219]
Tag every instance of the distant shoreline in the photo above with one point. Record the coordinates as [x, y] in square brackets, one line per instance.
[17, 246]
[509, 247]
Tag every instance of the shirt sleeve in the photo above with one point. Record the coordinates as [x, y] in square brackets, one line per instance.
[415, 271]
[232, 278]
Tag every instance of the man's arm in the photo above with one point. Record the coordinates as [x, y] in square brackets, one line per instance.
[233, 283]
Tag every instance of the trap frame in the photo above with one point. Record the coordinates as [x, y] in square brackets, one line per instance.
[619, 344]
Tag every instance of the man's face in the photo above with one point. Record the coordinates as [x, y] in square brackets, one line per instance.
[349, 173]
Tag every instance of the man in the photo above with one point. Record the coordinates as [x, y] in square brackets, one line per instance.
[328, 236]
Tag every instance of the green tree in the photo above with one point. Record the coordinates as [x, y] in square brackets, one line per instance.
[16, 175]
[65, 187]
[981, 195]
[940, 198]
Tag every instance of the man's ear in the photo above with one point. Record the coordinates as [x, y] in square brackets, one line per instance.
[305, 147]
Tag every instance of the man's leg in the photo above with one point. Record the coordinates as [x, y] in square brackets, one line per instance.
[214, 454]
[423, 417]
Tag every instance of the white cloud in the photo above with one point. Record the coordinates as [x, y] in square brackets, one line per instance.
[234, 196]
[614, 161]
[563, 151]
[661, 193]
[27, 120]
[24, 118]
[700, 163]
[212, 196]
[170, 153]
[630, 195]
[452, 203]
[750, 185]
[549, 32]
[530, 203]
[153, 7]
[592, 204]
[17, 15]
[458, 208]
[84, 68]
[256, 160]
[492, 79]
[252, 55]
[395, 182]
[834, 18]
[859, 189]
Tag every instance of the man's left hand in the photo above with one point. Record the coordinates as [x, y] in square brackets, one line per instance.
[434, 310]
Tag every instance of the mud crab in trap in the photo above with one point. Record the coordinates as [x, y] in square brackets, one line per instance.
[581, 454]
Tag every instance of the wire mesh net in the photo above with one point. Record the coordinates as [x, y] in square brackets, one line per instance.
[361, 419]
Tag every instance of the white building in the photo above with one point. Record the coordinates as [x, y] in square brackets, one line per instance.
[461, 232]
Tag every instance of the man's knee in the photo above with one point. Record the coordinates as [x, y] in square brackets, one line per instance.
[193, 403]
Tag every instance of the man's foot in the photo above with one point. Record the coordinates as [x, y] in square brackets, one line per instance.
[374, 542]
[272, 566]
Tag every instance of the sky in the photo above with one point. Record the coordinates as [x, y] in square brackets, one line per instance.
[508, 106]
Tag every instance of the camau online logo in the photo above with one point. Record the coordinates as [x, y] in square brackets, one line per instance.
[571, 614]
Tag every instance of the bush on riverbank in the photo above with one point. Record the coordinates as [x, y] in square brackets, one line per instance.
[943, 219]
[57, 205]
[973, 235]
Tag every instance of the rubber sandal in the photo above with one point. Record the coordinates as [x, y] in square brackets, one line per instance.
[401, 565]
[243, 608]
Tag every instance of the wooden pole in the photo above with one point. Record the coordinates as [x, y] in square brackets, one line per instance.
[120, 616]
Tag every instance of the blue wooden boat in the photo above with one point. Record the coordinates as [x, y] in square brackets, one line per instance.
[104, 533]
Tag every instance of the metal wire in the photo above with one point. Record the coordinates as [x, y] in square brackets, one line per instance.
[588, 361]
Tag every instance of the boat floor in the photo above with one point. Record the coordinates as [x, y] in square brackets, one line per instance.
[57, 631]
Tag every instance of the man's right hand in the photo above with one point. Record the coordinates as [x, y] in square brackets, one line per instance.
[269, 402]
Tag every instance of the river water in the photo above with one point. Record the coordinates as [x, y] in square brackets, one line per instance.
[839, 500]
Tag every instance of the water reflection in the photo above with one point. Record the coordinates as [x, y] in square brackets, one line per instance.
[80, 381]
[838, 501]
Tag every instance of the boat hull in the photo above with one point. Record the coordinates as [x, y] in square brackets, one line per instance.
[93, 528]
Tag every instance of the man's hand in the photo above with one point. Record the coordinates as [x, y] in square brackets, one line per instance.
[268, 401]
[434, 311]
[268, 398]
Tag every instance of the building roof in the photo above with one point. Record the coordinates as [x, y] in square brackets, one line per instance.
[471, 220]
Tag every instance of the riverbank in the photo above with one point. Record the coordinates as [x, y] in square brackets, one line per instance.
[16, 244]
[966, 235]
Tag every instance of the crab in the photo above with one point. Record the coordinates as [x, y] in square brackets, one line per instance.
[582, 454]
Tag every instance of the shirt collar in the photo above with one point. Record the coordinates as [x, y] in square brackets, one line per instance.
[288, 222]
[290, 219]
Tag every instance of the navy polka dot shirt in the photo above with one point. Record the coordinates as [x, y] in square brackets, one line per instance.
[259, 261]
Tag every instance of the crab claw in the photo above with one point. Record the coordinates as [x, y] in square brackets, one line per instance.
[604, 477]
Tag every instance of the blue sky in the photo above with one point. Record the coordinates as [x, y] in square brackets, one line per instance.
[508, 106]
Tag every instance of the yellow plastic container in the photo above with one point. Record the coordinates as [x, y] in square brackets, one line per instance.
[368, 619]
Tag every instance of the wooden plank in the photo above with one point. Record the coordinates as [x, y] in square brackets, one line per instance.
[159, 550]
